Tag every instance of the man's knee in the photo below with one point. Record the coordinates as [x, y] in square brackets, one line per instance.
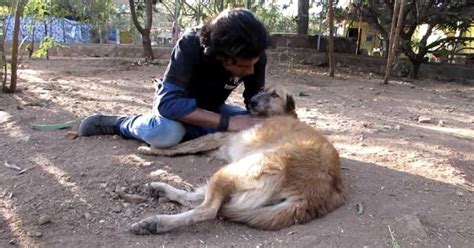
[168, 135]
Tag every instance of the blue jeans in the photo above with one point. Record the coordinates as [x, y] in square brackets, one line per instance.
[161, 132]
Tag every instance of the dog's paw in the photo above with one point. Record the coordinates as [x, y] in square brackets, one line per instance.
[156, 189]
[145, 150]
[150, 225]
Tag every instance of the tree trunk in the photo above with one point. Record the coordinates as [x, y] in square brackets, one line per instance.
[147, 49]
[16, 34]
[392, 44]
[46, 35]
[249, 4]
[32, 46]
[144, 31]
[3, 62]
[332, 62]
[303, 16]
[416, 69]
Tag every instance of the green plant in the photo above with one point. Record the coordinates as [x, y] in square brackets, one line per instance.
[46, 44]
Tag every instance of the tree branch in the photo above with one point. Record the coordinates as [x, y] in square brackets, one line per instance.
[448, 40]
[134, 16]
[149, 14]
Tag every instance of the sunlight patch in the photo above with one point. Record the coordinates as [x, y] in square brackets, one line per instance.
[60, 176]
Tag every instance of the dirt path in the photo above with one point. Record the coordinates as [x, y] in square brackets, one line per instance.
[414, 178]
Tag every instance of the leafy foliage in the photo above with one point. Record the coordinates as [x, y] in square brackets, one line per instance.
[449, 16]
[46, 44]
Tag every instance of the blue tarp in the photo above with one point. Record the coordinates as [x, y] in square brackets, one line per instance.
[62, 30]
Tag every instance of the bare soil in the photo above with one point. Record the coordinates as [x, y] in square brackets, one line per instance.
[408, 182]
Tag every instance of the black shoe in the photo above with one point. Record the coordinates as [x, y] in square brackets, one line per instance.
[100, 125]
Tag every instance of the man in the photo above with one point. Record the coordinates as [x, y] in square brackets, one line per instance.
[206, 65]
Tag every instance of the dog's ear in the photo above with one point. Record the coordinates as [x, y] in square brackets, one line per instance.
[290, 104]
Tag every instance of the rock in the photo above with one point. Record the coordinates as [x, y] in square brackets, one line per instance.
[101, 221]
[441, 123]
[12, 242]
[103, 185]
[116, 209]
[424, 119]
[319, 102]
[72, 135]
[132, 198]
[304, 94]
[88, 216]
[460, 194]
[35, 234]
[44, 219]
[411, 226]
[128, 212]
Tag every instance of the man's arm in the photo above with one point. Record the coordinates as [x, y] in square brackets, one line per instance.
[204, 118]
[173, 104]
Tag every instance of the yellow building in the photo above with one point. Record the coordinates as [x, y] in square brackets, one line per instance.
[369, 41]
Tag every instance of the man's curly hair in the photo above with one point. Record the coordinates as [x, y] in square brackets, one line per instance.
[235, 33]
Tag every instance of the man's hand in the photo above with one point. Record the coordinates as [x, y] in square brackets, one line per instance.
[240, 122]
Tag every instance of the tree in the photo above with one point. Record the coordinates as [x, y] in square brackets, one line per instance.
[443, 15]
[332, 62]
[144, 31]
[18, 6]
[303, 16]
[397, 23]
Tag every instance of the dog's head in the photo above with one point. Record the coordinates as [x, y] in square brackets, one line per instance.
[274, 100]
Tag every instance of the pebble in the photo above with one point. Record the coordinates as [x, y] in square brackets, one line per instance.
[304, 94]
[441, 123]
[88, 216]
[72, 135]
[460, 194]
[128, 212]
[132, 198]
[103, 185]
[116, 209]
[35, 234]
[101, 221]
[12, 242]
[44, 219]
[424, 119]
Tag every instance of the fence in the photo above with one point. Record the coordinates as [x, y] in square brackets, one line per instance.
[61, 29]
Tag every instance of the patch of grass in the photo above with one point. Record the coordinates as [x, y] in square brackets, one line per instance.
[394, 242]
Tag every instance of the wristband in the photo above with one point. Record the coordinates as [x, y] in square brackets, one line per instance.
[223, 123]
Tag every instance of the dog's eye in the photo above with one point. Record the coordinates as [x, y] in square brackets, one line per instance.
[274, 94]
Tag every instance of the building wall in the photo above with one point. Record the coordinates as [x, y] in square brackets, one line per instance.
[369, 40]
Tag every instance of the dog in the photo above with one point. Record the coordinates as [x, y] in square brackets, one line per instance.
[280, 172]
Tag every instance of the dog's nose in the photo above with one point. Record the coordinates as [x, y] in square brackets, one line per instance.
[253, 103]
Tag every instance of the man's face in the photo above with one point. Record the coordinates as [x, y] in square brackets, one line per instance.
[240, 67]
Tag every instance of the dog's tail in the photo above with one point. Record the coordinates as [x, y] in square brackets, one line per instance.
[281, 213]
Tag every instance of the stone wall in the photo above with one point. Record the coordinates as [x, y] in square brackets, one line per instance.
[341, 44]
[445, 72]
[108, 50]
[306, 56]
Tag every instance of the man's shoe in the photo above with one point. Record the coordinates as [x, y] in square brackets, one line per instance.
[100, 125]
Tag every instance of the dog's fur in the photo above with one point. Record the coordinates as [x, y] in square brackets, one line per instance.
[281, 172]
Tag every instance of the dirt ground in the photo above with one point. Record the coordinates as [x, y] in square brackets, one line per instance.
[409, 183]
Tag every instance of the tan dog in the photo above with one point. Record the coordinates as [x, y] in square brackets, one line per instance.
[281, 172]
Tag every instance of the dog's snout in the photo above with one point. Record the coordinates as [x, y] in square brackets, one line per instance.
[253, 102]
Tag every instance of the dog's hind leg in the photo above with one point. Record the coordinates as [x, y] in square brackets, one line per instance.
[216, 193]
[185, 198]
